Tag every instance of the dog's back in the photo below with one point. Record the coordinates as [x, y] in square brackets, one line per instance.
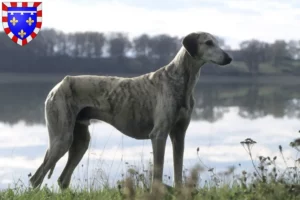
[126, 103]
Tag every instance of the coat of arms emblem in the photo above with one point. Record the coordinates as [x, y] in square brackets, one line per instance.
[22, 21]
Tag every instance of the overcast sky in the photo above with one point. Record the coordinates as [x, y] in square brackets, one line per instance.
[235, 20]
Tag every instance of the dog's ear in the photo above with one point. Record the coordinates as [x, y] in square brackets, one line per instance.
[190, 43]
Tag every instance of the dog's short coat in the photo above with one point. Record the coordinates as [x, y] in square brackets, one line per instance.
[150, 106]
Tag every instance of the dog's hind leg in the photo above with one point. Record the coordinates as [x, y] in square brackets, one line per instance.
[61, 137]
[81, 140]
[34, 178]
[56, 150]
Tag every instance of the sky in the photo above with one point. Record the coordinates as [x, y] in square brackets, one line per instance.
[234, 20]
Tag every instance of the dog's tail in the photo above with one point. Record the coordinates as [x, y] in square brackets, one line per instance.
[51, 172]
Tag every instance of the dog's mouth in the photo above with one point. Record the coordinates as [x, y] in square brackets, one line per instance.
[217, 63]
[226, 60]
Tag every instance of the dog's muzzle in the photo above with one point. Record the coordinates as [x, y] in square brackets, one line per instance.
[227, 59]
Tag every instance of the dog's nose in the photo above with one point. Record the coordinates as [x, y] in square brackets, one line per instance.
[227, 59]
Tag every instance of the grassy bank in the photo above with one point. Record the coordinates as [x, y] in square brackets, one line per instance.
[266, 181]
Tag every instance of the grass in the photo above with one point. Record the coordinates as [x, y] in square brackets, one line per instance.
[267, 68]
[267, 181]
[239, 65]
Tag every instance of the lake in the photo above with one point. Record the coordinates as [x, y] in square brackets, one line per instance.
[227, 111]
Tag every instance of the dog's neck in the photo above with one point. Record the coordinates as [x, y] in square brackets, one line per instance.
[184, 63]
[185, 67]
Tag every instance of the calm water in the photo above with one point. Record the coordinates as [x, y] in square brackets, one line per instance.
[226, 113]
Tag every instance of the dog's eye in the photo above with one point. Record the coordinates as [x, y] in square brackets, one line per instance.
[209, 43]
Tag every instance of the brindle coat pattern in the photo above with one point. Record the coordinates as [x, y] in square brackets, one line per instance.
[151, 106]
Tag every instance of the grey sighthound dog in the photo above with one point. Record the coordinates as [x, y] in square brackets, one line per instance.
[151, 106]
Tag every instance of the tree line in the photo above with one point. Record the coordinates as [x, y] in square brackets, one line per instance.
[96, 52]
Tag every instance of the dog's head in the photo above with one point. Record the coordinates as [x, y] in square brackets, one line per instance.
[203, 46]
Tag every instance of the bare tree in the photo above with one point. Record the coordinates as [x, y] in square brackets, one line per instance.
[163, 47]
[142, 45]
[293, 48]
[253, 53]
[279, 52]
[119, 44]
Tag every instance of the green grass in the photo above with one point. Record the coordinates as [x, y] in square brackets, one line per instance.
[268, 191]
[265, 182]
[239, 65]
[267, 68]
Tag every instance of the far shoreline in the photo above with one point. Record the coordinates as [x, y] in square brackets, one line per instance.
[55, 77]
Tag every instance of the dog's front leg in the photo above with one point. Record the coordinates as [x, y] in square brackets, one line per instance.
[158, 136]
[163, 119]
[177, 136]
[158, 145]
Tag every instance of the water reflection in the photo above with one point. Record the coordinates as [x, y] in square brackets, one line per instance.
[225, 114]
[25, 101]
